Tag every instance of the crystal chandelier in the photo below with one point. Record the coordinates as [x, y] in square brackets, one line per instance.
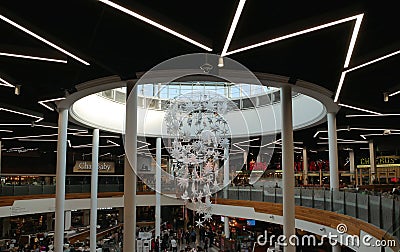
[199, 142]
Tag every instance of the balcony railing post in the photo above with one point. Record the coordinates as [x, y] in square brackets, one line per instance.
[368, 209]
[324, 199]
[313, 198]
[380, 211]
[250, 193]
[301, 196]
[356, 205]
[263, 193]
[394, 217]
[275, 200]
[238, 193]
[331, 195]
[344, 202]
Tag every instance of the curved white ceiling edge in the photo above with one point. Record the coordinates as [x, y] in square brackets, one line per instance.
[322, 98]
[98, 112]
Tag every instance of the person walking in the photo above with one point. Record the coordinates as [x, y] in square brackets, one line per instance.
[174, 245]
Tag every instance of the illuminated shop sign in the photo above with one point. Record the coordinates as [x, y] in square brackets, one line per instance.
[382, 161]
[86, 166]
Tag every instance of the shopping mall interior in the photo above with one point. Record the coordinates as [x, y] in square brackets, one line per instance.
[210, 126]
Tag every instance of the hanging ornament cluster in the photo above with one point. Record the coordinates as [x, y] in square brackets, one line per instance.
[200, 135]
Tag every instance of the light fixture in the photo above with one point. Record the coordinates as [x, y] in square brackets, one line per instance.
[316, 28]
[5, 83]
[340, 85]
[342, 77]
[394, 93]
[385, 97]
[43, 103]
[42, 39]
[220, 62]
[360, 109]
[356, 29]
[31, 57]
[39, 118]
[355, 115]
[233, 27]
[8, 131]
[17, 89]
[155, 24]
[387, 132]
[374, 61]
[26, 137]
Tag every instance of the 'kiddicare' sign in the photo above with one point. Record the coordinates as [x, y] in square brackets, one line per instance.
[86, 166]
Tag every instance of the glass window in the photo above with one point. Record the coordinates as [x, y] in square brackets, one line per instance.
[235, 92]
[120, 97]
[173, 91]
[148, 90]
[164, 92]
[245, 90]
[108, 94]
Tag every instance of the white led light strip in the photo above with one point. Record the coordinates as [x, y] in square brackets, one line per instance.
[395, 93]
[233, 27]
[155, 24]
[24, 114]
[360, 109]
[343, 75]
[43, 103]
[358, 19]
[31, 57]
[354, 115]
[5, 83]
[42, 39]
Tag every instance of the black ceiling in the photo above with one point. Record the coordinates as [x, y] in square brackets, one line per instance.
[115, 43]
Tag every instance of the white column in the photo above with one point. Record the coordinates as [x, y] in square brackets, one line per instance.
[288, 166]
[130, 178]
[68, 220]
[158, 188]
[60, 179]
[371, 162]
[352, 164]
[305, 167]
[93, 190]
[333, 153]
[226, 184]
